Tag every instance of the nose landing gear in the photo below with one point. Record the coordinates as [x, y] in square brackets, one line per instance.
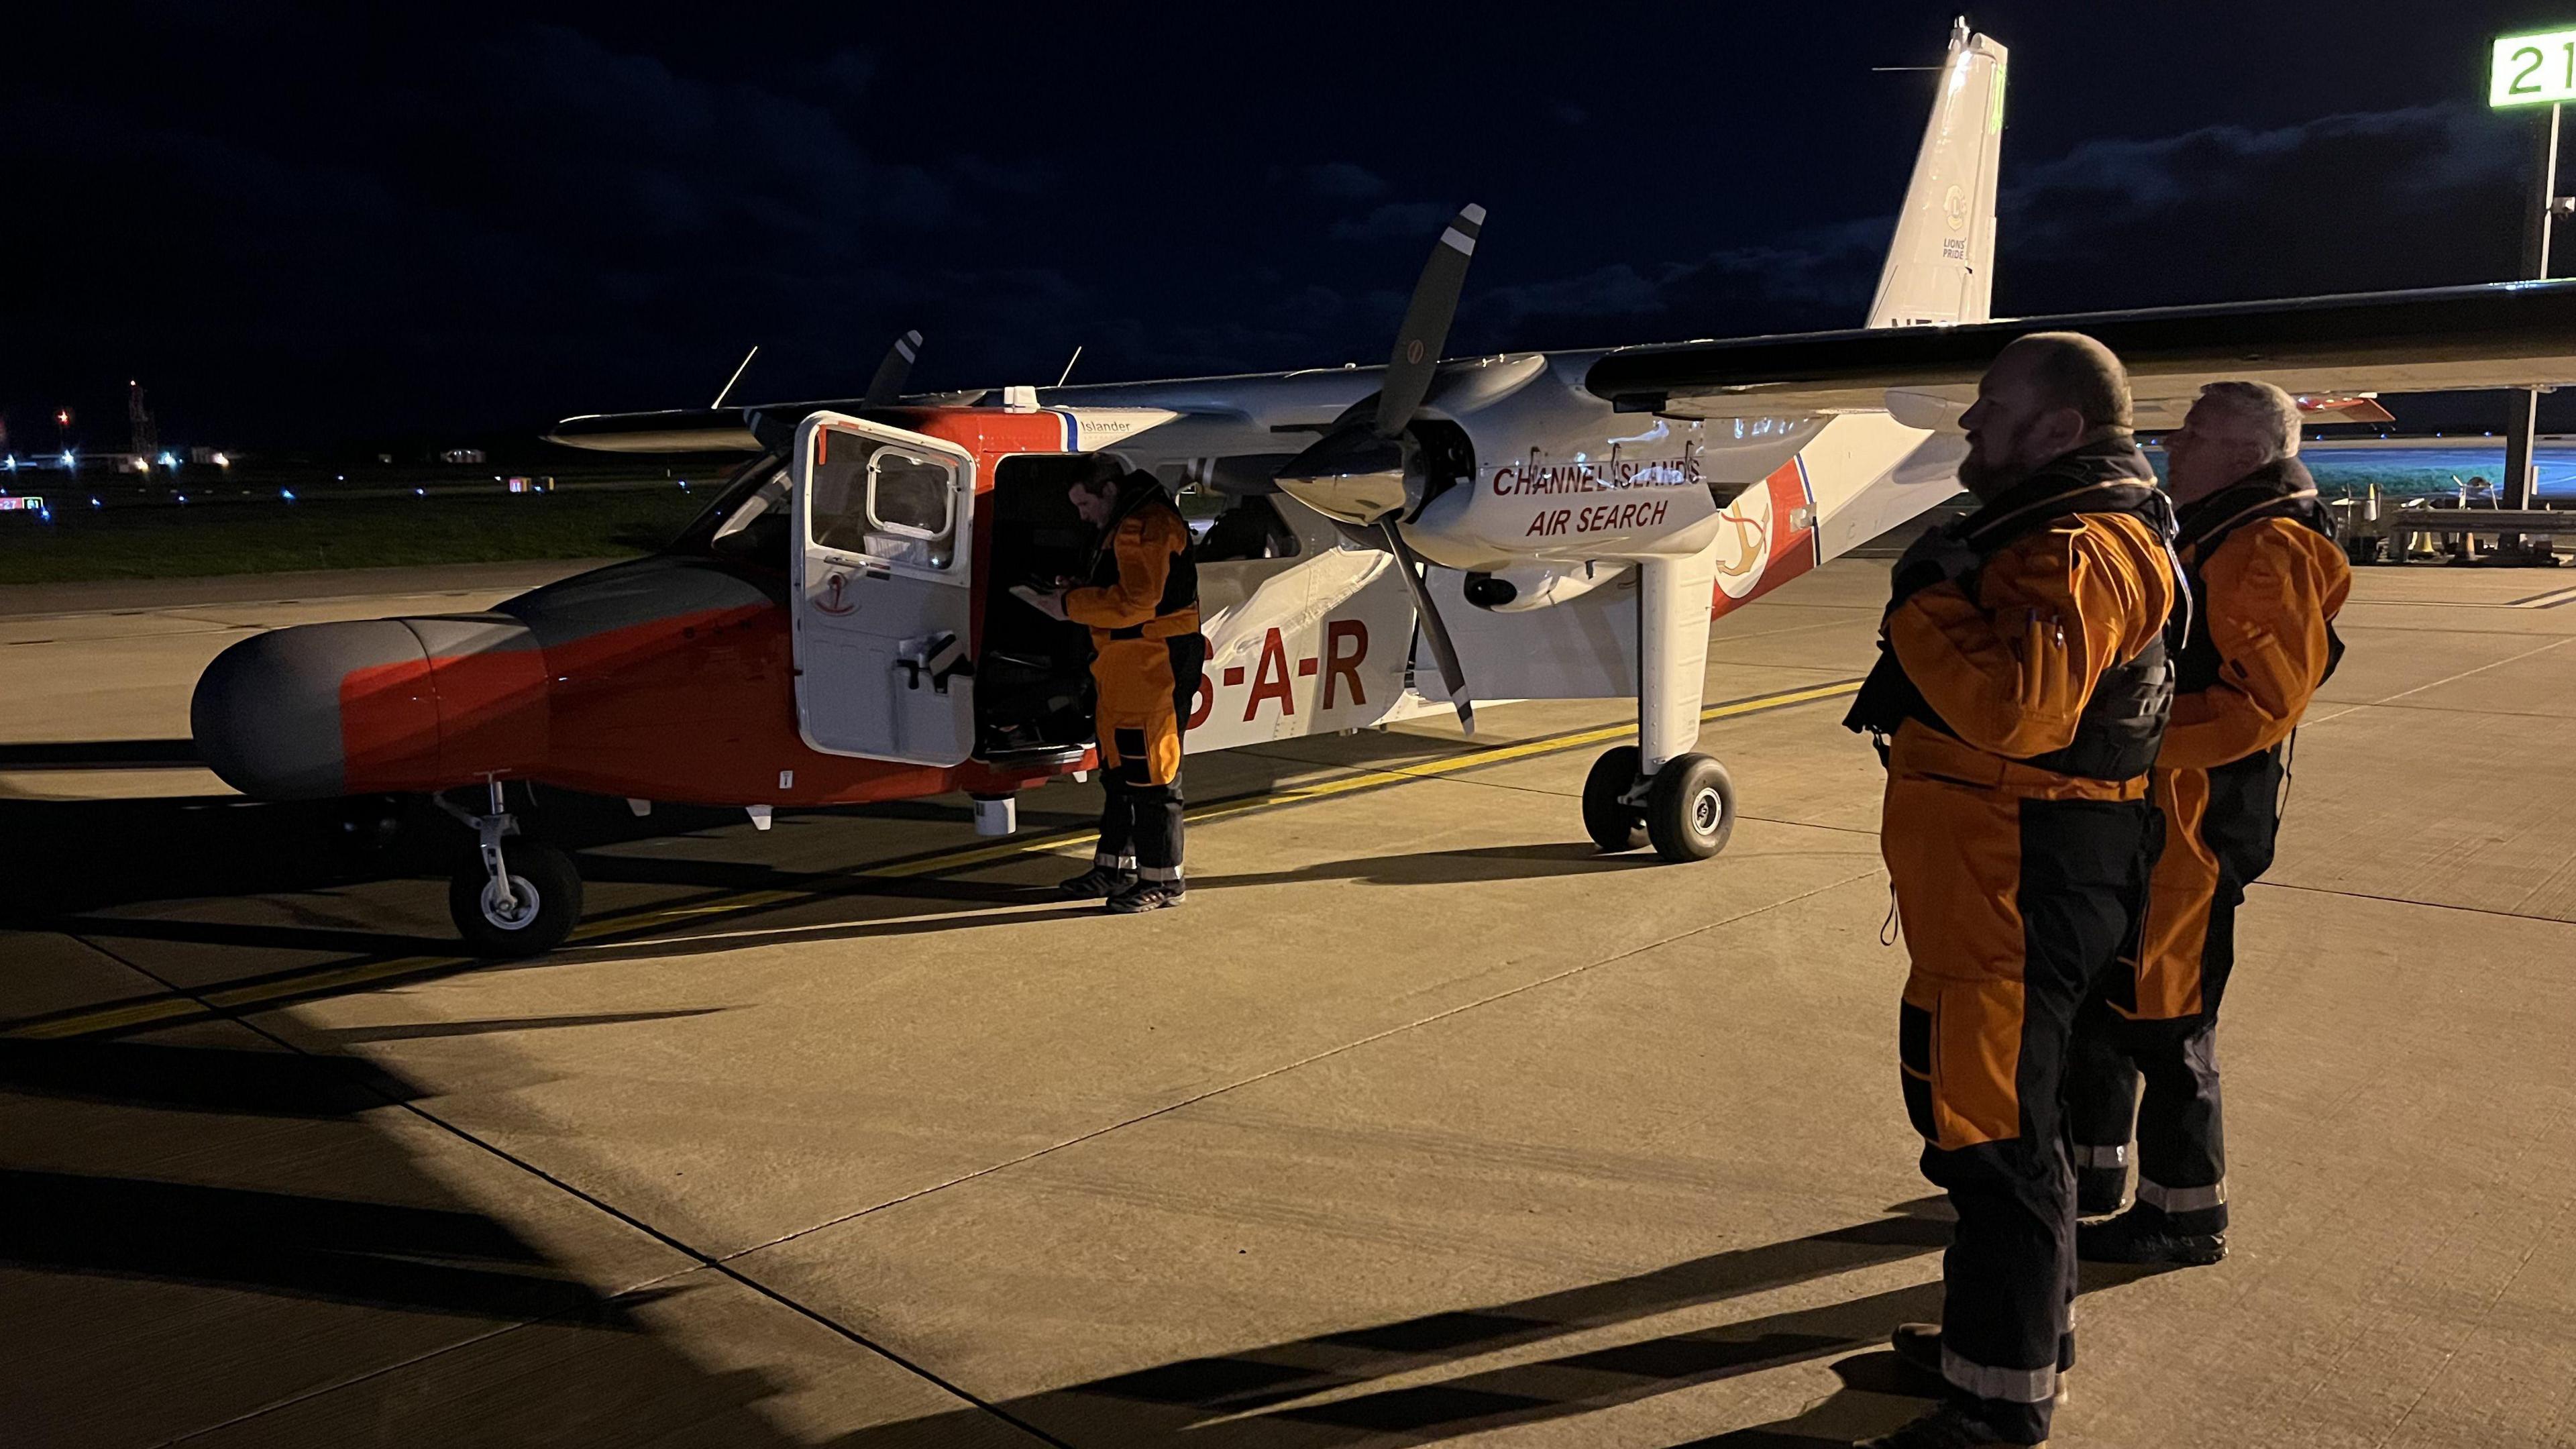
[522, 902]
[1686, 809]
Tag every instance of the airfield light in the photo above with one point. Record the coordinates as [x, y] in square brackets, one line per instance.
[67, 457]
[13, 462]
[420, 493]
[183, 497]
[168, 461]
[94, 503]
[62, 417]
[223, 460]
[287, 493]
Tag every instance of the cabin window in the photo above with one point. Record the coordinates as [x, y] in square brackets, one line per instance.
[1247, 528]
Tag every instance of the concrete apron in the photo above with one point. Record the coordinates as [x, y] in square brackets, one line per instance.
[1420, 1122]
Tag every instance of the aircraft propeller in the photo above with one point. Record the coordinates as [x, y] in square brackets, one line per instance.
[886, 388]
[1358, 471]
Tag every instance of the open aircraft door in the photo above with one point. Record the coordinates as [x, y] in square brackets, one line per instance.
[884, 661]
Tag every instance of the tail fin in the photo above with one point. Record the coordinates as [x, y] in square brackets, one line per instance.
[1941, 267]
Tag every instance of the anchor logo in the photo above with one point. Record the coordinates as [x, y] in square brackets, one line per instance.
[832, 601]
[1752, 546]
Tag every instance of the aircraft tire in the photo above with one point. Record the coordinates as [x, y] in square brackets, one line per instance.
[1613, 824]
[540, 875]
[1690, 809]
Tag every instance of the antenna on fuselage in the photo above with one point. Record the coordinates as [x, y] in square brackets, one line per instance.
[1068, 364]
[727, 390]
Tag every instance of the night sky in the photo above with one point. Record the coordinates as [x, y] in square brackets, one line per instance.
[305, 227]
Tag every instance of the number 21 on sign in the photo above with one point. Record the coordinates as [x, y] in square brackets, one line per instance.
[2533, 70]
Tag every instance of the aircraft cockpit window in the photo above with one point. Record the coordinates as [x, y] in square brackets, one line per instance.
[1249, 528]
[769, 501]
[753, 526]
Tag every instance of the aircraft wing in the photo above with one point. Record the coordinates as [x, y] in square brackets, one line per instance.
[674, 430]
[2325, 349]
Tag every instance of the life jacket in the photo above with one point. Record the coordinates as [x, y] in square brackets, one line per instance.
[1139, 493]
[2283, 489]
[2123, 724]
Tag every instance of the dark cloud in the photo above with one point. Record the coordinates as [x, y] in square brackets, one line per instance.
[1342, 181]
[298, 223]
[1397, 220]
[2415, 197]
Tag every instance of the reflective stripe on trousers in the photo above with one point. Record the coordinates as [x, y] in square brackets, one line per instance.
[2017, 1386]
[2182, 1199]
[2102, 1156]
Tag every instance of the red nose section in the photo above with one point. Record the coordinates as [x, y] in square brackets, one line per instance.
[374, 706]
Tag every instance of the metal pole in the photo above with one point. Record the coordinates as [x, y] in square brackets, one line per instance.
[2518, 469]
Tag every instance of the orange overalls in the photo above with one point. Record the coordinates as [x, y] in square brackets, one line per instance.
[2267, 580]
[1143, 609]
[2020, 704]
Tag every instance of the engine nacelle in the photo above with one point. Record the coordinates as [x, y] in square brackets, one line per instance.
[1533, 586]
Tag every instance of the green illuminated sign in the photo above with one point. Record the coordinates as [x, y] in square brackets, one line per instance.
[2533, 70]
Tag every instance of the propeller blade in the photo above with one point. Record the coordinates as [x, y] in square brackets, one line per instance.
[1436, 633]
[886, 388]
[1426, 322]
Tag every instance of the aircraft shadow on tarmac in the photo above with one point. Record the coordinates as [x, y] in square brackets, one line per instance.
[211, 849]
[1236, 1400]
[248, 1322]
[387, 1235]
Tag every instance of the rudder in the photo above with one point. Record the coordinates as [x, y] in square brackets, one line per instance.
[1940, 268]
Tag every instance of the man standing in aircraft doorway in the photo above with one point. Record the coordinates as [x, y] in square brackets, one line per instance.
[1142, 603]
[2020, 698]
[2267, 580]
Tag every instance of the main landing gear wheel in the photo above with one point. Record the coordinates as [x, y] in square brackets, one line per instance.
[1690, 808]
[540, 908]
[1613, 823]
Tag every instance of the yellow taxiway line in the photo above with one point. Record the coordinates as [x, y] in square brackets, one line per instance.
[327, 979]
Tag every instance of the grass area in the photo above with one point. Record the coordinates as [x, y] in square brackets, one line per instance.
[273, 537]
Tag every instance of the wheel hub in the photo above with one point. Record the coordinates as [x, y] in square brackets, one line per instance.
[522, 909]
[1706, 811]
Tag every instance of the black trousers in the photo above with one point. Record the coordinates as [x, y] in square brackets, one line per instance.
[1140, 821]
[2078, 886]
[1140, 829]
[2126, 1039]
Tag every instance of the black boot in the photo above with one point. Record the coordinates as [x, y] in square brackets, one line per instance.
[1099, 883]
[1947, 1427]
[1148, 895]
[1919, 1344]
[2145, 1235]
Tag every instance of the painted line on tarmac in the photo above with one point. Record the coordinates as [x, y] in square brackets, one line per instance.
[285, 987]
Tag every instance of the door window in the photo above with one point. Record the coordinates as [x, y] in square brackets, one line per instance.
[910, 498]
[882, 501]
